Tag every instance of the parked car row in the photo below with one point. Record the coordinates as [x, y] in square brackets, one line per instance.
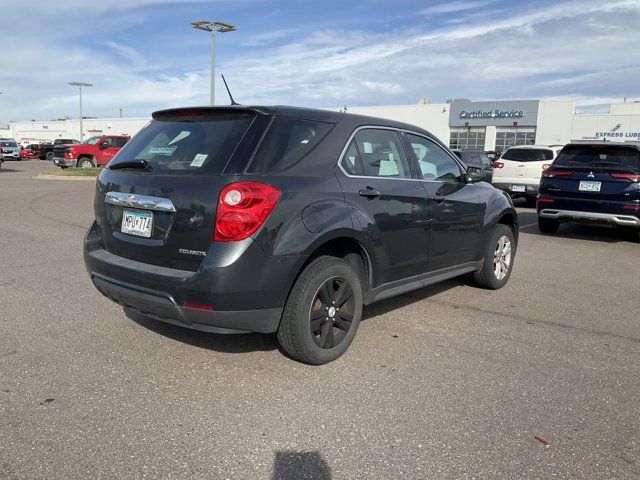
[66, 152]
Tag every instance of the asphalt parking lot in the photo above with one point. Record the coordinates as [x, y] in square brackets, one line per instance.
[446, 382]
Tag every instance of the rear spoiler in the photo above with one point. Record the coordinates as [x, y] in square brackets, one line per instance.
[210, 111]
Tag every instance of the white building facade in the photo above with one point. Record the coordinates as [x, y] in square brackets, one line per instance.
[500, 124]
[459, 123]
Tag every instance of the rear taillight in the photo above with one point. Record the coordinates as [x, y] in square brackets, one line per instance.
[39, 147]
[633, 206]
[634, 177]
[242, 209]
[498, 164]
[557, 173]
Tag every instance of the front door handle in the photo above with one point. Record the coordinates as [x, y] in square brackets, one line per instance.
[438, 198]
[369, 192]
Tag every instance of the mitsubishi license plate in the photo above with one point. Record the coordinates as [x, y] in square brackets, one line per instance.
[137, 222]
[589, 186]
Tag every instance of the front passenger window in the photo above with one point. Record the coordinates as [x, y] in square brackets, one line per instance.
[434, 162]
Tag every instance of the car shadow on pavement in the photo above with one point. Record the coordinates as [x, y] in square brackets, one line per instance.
[234, 343]
[529, 224]
[289, 465]
[7, 170]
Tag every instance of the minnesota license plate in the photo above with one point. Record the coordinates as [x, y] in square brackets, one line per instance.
[137, 222]
[518, 188]
[589, 186]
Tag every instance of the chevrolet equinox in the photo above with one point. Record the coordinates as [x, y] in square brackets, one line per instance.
[289, 220]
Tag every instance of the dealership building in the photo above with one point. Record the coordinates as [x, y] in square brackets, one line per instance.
[460, 123]
[497, 125]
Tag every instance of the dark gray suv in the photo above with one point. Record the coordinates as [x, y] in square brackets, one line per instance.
[288, 220]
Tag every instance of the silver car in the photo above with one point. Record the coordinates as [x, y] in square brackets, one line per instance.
[10, 149]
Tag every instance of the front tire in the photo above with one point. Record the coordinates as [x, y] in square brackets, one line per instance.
[322, 313]
[85, 163]
[498, 259]
[49, 156]
[548, 225]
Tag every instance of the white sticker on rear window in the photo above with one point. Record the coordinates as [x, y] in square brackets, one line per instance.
[167, 151]
[198, 160]
[180, 136]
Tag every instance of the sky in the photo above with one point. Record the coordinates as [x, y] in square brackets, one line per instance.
[143, 55]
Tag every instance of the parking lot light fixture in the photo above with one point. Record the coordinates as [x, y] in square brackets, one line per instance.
[80, 85]
[213, 27]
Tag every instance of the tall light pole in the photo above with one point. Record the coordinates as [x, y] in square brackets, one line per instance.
[213, 27]
[80, 85]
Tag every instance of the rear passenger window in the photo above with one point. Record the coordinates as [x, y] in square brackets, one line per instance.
[351, 162]
[434, 162]
[381, 154]
[287, 141]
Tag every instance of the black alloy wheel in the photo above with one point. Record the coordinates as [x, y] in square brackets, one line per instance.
[331, 315]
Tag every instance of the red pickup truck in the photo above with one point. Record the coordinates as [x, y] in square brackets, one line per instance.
[93, 152]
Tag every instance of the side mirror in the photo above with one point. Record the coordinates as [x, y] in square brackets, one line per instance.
[474, 174]
[102, 146]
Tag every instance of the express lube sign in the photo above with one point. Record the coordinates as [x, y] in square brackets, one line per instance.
[623, 135]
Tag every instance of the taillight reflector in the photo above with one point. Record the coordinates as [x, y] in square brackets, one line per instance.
[242, 209]
[199, 306]
[557, 173]
[545, 166]
[634, 177]
[498, 164]
[546, 200]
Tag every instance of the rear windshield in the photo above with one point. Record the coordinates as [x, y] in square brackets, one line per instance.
[528, 154]
[187, 145]
[599, 156]
[287, 141]
[8, 144]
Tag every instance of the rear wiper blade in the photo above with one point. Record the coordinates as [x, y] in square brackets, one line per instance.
[137, 163]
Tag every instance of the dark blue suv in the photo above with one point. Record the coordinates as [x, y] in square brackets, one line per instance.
[596, 183]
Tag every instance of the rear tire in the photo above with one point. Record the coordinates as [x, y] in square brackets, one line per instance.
[322, 313]
[530, 202]
[548, 225]
[498, 259]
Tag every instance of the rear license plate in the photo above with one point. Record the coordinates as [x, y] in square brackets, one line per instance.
[518, 188]
[588, 186]
[137, 222]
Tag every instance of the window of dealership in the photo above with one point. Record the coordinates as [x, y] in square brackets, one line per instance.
[467, 138]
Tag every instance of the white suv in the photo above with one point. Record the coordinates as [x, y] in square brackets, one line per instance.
[519, 169]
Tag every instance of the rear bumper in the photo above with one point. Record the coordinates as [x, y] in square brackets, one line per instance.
[591, 217]
[530, 190]
[162, 306]
[245, 287]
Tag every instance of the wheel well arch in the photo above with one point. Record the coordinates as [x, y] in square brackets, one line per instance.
[509, 219]
[348, 249]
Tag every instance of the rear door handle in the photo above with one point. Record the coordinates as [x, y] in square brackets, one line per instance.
[369, 192]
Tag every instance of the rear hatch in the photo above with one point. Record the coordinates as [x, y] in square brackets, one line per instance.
[156, 200]
[522, 165]
[598, 174]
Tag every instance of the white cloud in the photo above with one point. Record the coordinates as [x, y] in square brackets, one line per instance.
[453, 7]
[571, 49]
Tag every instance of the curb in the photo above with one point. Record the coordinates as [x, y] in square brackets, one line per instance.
[43, 176]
